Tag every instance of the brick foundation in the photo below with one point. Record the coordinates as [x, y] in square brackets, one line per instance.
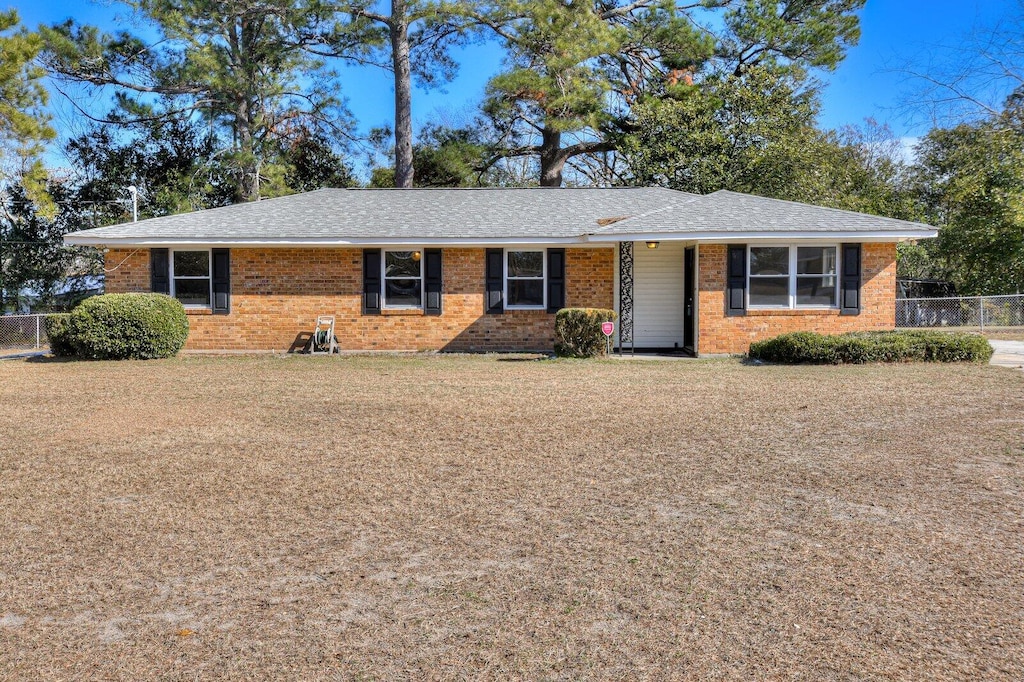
[276, 294]
[719, 333]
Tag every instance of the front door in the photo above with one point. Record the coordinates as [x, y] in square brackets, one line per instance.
[689, 271]
[658, 282]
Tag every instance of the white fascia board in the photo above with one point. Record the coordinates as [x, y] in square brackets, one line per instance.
[743, 237]
[154, 242]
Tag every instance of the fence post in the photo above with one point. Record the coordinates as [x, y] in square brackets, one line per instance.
[37, 332]
[981, 313]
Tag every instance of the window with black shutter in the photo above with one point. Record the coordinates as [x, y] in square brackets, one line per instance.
[221, 281]
[849, 297]
[736, 284]
[160, 271]
[494, 279]
[556, 280]
[433, 281]
[371, 281]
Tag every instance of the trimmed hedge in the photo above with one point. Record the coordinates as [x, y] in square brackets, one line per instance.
[578, 331]
[57, 333]
[126, 327]
[861, 347]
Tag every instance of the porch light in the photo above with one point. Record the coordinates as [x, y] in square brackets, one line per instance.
[652, 245]
[416, 255]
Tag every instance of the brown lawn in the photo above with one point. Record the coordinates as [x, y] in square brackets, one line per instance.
[463, 517]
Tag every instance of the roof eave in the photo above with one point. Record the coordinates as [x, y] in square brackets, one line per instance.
[81, 239]
[758, 235]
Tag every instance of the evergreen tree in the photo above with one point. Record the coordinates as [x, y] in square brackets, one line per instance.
[248, 69]
[24, 124]
[577, 69]
[410, 39]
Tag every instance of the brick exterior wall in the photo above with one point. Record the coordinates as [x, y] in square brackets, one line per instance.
[276, 295]
[127, 271]
[719, 333]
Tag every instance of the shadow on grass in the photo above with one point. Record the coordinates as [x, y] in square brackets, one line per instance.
[47, 359]
[536, 358]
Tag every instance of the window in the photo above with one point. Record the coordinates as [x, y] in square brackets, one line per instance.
[792, 276]
[816, 276]
[403, 279]
[524, 279]
[190, 277]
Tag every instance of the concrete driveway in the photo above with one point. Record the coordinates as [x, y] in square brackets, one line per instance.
[1008, 353]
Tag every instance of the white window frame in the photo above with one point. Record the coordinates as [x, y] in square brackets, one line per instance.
[209, 277]
[384, 278]
[792, 275]
[543, 278]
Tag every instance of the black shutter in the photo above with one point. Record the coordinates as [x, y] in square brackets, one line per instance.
[221, 281]
[159, 271]
[736, 286]
[371, 281]
[849, 287]
[432, 281]
[556, 280]
[495, 301]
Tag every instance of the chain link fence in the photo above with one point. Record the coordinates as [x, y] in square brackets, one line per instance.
[22, 332]
[984, 313]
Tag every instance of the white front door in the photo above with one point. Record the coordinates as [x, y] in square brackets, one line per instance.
[658, 281]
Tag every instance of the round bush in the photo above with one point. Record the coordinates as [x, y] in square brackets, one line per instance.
[128, 327]
[578, 331]
[57, 333]
[861, 347]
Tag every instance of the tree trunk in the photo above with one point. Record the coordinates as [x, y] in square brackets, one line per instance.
[246, 105]
[552, 161]
[399, 33]
[248, 188]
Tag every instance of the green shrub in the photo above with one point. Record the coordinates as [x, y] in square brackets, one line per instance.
[861, 347]
[128, 326]
[57, 333]
[578, 331]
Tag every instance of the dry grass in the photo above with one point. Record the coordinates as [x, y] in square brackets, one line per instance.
[1005, 334]
[467, 517]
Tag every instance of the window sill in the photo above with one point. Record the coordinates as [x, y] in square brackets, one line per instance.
[535, 308]
[792, 311]
[398, 312]
[198, 311]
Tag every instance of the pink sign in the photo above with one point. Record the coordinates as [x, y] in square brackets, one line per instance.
[608, 328]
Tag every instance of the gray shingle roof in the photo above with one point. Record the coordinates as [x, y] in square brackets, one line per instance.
[726, 211]
[485, 213]
[339, 216]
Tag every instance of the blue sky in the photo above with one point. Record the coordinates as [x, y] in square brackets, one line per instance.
[868, 83]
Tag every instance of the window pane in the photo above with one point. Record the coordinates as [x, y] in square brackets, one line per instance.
[769, 260]
[816, 260]
[401, 264]
[402, 292]
[526, 292]
[772, 291]
[192, 291]
[816, 291]
[525, 263]
[191, 263]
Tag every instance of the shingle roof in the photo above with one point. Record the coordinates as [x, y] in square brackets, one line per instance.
[725, 211]
[340, 216]
[484, 213]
